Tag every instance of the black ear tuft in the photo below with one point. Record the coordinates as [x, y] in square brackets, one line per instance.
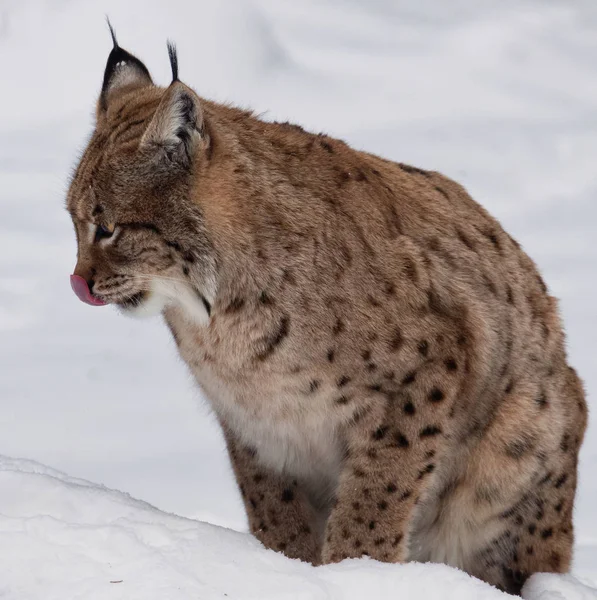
[173, 60]
[112, 32]
[120, 61]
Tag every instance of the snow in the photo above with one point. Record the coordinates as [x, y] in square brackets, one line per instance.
[96, 543]
[499, 94]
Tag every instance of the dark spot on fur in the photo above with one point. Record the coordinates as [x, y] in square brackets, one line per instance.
[389, 288]
[313, 386]
[410, 270]
[430, 431]
[360, 175]
[343, 400]
[235, 305]
[542, 401]
[409, 408]
[343, 381]
[532, 528]
[428, 469]
[380, 433]
[396, 341]
[518, 448]
[409, 378]
[343, 176]
[391, 488]
[423, 348]
[287, 495]
[288, 276]
[546, 479]
[185, 270]
[401, 440]
[509, 294]
[174, 246]
[492, 237]
[327, 146]
[265, 299]
[565, 443]
[373, 301]
[442, 192]
[561, 481]
[547, 533]
[273, 341]
[436, 395]
[338, 326]
[451, 364]
[465, 240]
[383, 505]
[331, 355]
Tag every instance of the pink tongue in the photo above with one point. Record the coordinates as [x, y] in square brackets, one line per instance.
[81, 288]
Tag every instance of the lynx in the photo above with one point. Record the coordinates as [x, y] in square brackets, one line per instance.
[385, 361]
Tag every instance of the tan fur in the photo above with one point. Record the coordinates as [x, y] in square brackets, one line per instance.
[385, 360]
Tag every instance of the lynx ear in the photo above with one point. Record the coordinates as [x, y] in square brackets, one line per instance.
[122, 69]
[177, 126]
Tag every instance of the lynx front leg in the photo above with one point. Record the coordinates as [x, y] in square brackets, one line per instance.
[279, 512]
[391, 461]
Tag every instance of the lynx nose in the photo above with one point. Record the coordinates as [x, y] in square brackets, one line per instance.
[82, 289]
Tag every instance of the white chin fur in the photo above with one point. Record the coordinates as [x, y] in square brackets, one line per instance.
[153, 304]
[167, 293]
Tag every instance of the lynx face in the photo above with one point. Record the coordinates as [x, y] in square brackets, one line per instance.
[141, 243]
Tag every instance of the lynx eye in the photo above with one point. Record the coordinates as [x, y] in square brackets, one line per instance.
[103, 232]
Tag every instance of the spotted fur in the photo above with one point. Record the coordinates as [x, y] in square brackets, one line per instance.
[385, 361]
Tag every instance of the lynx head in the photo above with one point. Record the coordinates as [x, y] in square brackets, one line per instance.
[141, 238]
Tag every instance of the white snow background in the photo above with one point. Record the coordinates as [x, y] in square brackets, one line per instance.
[499, 94]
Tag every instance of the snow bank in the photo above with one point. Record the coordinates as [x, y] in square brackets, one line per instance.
[63, 538]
